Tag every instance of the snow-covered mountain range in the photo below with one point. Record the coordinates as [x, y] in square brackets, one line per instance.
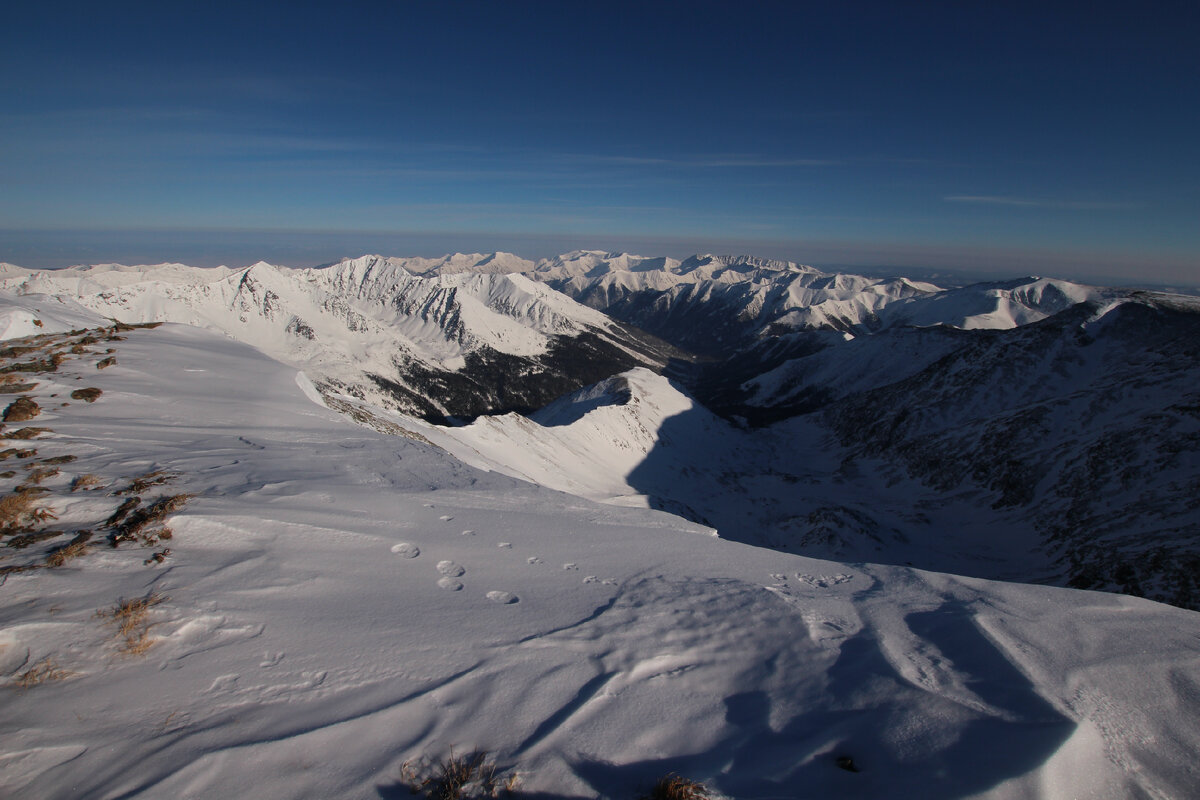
[1033, 429]
[432, 344]
[242, 550]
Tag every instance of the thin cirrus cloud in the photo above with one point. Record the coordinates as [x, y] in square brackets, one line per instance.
[1036, 202]
[698, 162]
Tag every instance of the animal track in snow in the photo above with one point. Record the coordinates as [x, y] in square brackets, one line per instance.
[503, 598]
[570, 566]
[534, 560]
[445, 517]
[406, 550]
[223, 684]
[450, 584]
[468, 533]
[271, 659]
[450, 569]
[504, 545]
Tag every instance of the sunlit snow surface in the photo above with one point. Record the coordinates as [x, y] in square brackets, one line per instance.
[340, 601]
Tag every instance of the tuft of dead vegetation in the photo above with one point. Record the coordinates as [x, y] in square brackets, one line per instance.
[67, 459]
[88, 395]
[676, 787]
[12, 569]
[21, 410]
[131, 620]
[457, 777]
[16, 388]
[23, 540]
[71, 550]
[122, 511]
[44, 671]
[126, 327]
[106, 362]
[20, 512]
[16, 351]
[141, 483]
[50, 364]
[144, 525]
[86, 482]
[25, 433]
[37, 475]
[159, 557]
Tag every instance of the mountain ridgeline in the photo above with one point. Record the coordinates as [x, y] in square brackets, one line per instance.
[1031, 429]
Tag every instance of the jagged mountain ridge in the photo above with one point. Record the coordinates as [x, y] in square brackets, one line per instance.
[435, 346]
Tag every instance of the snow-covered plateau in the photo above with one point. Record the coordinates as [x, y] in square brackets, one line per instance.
[245, 556]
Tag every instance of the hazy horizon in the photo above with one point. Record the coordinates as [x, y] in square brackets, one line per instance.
[239, 248]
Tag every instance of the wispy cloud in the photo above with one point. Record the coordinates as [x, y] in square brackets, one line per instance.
[1036, 202]
[697, 162]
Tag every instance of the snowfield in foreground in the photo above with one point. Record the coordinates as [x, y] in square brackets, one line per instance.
[338, 603]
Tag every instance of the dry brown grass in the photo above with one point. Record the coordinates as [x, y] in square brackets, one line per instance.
[23, 540]
[20, 512]
[71, 550]
[25, 433]
[457, 777]
[12, 569]
[37, 475]
[106, 362]
[16, 351]
[159, 557]
[50, 364]
[88, 395]
[44, 671]
[67, 459]
[10, 387]
[122, 511]
[144, 525]
[21, 410]
[676, 787]
[143, 482]
[87, 481]
[133, 626]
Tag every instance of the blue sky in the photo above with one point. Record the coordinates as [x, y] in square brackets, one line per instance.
[1050, 138]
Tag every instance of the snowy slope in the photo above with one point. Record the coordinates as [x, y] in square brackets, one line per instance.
[591, 442]
[312, 637]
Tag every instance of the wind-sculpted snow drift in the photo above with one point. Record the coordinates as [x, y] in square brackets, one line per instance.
[339, 603]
